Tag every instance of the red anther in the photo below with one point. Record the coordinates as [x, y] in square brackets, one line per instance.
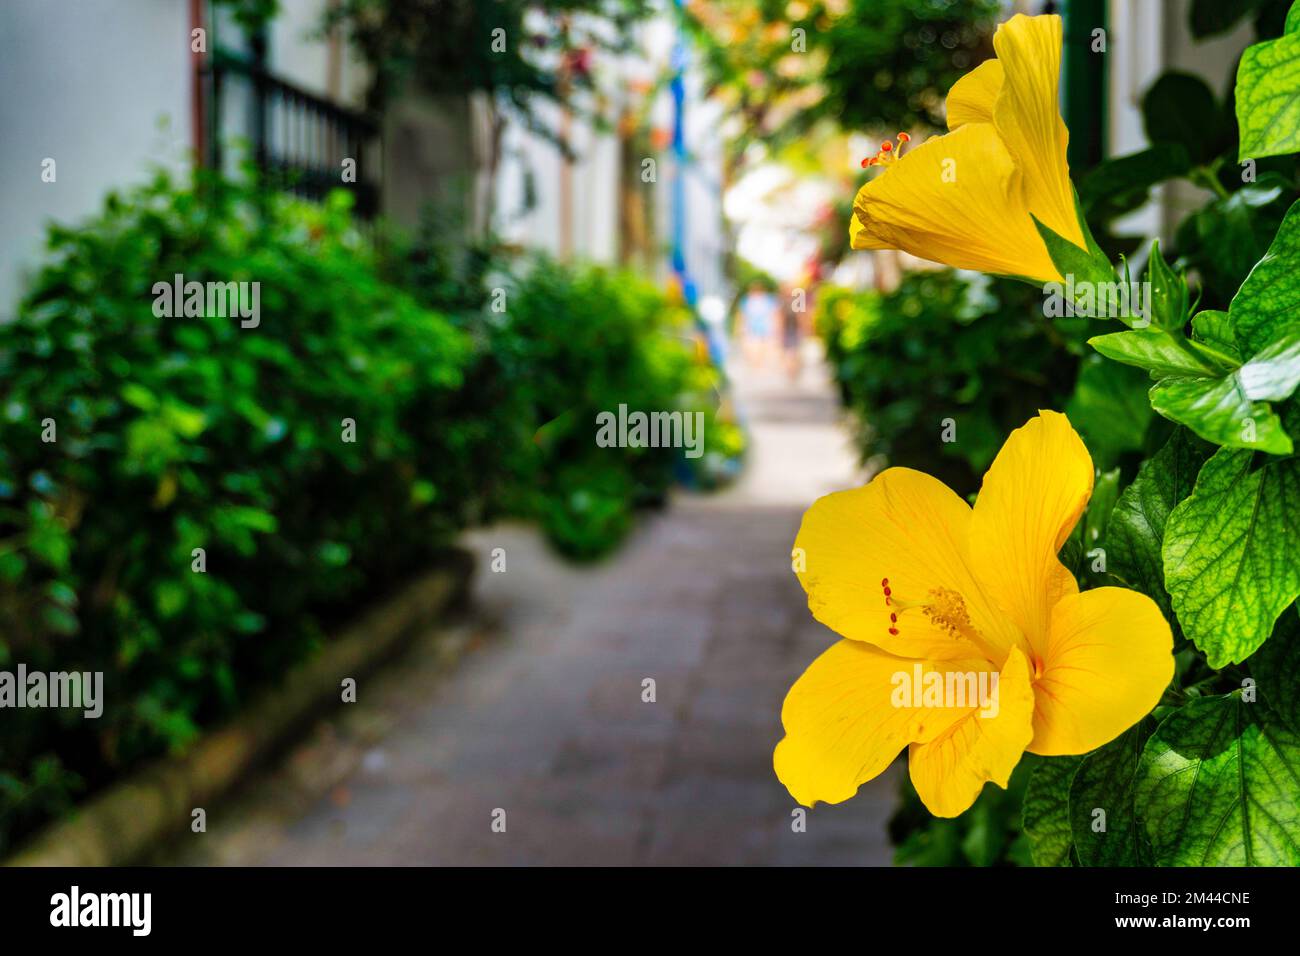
[904, 138]
[866, 162]
[886, 147]
[888, 602]
[884, 582]
[894, 631]
[893, 619]
[888, 592]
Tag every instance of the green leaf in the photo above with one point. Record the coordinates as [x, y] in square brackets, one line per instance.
[1168, 305]
[139, 396]
[1268, 97]
[1136, 530]
[1219, 785]
[1152, 349]
[1212, 331]
[1275, 667]
[1220, 410]
[1230, 556]
[1226, 238]
[1085, 265]
[1293, 18]
[1268, 303]
[1105, 492]
[1045, 816]
[1103, 818]
[1274, 372]
[1109, 409]
[1131, 176]
[1176, 109]
[189, 422]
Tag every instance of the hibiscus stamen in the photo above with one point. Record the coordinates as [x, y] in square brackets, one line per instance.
[945, 608]
[889, 152]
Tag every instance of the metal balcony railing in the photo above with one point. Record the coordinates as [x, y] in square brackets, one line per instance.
[299, 140]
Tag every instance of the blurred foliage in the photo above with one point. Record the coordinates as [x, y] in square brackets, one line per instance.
[1207, 18]
[250, 14]
[556, 345]
[1193, 136]
[179, 433]
[175, 434]
[783, 66]
[515, 48]
[988, 834]
[614, 333]
[942, 346]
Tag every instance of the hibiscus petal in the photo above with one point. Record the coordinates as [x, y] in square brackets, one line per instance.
[1031, 498]
[841, 723]
[1108, 661]
[950, 771]
[1028, 118]
[911, 530]
[956, 199]
[971, 98]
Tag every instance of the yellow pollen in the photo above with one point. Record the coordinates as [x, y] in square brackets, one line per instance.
[948, 611]
[945, 608]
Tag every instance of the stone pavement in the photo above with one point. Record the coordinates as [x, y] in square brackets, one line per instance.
[542, 715]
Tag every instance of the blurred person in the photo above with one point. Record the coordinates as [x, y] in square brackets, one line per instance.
[758, 311]
[790, 327]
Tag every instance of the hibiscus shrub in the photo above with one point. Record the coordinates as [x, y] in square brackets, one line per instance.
[938, 371]
[1176, 731]
[1207, 526]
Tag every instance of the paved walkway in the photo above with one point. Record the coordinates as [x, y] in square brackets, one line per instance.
[542, 717]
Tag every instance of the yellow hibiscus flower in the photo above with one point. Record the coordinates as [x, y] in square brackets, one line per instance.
[965, 198]
[926, 590]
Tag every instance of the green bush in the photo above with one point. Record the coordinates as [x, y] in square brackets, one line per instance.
[175, 434]
[131, 439]
[555, 346]
[943, 345]
[577, 342]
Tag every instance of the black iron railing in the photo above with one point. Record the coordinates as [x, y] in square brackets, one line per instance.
[300, 141]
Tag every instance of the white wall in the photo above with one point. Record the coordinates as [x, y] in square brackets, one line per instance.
[298, 52]
[1213, 60]
[592, 193]
[1135, 50]
[1148, 37]
[86, 83]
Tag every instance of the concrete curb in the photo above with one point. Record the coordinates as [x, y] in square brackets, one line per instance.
[127, 820]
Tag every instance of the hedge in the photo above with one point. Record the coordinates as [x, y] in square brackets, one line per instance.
[188, 505]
